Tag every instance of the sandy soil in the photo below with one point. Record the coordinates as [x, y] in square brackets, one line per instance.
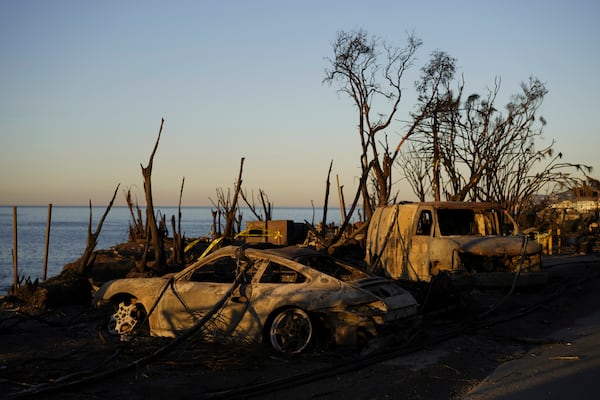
[64, 353]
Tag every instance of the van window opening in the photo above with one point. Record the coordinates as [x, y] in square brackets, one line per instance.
[453, 222]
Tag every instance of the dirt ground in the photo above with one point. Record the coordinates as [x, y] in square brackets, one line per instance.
[64, 353]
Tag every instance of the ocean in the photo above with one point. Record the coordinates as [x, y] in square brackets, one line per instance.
[69, 225]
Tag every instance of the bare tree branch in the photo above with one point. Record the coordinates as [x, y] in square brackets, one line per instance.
[355, 66]
[87, 260]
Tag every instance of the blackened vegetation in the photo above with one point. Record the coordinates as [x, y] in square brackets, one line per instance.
[137, 228]
[230, 214]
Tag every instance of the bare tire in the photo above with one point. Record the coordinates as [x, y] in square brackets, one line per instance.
[290, 331]
[126, 317]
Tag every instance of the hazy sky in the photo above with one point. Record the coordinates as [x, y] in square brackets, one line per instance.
[84, 85]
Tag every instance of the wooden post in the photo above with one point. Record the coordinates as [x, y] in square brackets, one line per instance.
[342, 201]
[15, 251]
[327, 185]
[47, 242]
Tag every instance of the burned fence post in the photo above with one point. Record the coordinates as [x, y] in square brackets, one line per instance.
[341, 197]
[45, 272]
[15, 251]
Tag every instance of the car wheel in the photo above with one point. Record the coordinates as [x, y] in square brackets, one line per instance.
[126, 317]
[291, 330]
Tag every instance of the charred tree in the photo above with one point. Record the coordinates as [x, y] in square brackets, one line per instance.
[155, 238]
[342, 238]
[216, 225]
[177, 256]
[344, 235]
[87, 260]
[137, 229]
[326, 201]
[467, 149]
[267, 206]
[369, 82]
[227, 207]
[231, 210]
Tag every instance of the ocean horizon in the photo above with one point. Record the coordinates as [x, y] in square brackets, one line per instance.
[69, 226]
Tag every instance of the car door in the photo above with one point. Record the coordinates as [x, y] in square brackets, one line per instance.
[189, 300]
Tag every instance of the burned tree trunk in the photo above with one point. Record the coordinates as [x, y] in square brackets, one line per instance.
[137, 230]
[155, 235]
[230, 214]
[177, 257]
[87, 260]
[326, 201]
[339, 240]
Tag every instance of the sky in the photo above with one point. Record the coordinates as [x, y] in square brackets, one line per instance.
[84, 86]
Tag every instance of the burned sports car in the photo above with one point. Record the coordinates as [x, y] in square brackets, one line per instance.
[285, 297]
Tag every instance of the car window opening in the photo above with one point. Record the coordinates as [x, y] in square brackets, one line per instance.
[277, 273]
[221, 270]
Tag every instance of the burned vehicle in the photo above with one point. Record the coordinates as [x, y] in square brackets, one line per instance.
[477, 243]
[285, 297]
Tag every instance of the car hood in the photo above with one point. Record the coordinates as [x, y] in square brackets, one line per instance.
[499, 246]
[379, 289]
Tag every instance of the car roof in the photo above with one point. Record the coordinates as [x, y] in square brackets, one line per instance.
[292, 252]
[289, 252]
